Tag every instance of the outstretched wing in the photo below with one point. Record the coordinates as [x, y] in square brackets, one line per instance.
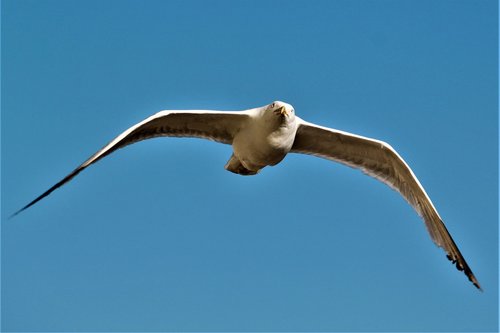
[213, 125]
[379, 160]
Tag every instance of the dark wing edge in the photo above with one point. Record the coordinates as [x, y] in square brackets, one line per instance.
[212, 125]
[379, 160]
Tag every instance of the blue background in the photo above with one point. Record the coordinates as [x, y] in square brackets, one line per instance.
[159, 236]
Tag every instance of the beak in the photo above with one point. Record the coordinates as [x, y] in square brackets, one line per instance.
[282, 111]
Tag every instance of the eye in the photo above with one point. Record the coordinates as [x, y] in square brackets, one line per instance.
[272, 105]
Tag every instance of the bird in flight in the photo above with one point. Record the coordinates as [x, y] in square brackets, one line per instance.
[263, 136]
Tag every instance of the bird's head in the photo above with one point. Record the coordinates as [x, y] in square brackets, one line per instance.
[283, 111]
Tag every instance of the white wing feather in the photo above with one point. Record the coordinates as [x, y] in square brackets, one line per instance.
[213, 125]
[379, 160]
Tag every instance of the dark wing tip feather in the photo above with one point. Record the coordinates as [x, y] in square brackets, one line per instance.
[50, 190]
[461, 265]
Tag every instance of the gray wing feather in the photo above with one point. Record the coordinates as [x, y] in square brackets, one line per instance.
[213, 125]
[379, 160]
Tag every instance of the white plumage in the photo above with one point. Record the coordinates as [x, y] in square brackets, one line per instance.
[263, 136]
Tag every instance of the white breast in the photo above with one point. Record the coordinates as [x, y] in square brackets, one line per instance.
[263, 142]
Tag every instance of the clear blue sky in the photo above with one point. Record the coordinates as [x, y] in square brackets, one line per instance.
[158, 236]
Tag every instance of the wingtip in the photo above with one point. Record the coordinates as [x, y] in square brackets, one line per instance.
[461, 265]
[473, 279]
[16, 213]
[475, 282]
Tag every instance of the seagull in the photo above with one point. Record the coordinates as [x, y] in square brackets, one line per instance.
[263, 136]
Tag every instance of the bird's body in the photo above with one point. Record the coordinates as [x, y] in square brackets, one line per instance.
[264, 139]
[263, 136]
